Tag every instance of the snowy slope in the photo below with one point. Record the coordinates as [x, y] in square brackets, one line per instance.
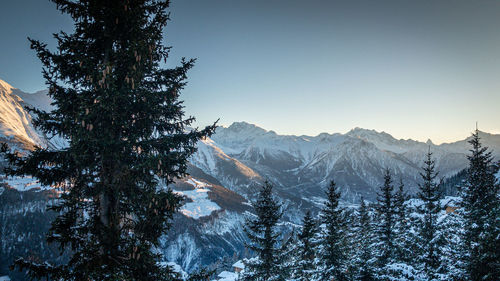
[24, 183]
[40, 99]
[233, 174]
[200, 205]
[15, 121]
[229, 166]
[356, 160]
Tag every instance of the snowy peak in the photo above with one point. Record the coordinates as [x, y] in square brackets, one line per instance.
[4, 86]
[244, 127]
[368, 134]
[15, 122]
[242, 131]
[356, 159]
[383, 140]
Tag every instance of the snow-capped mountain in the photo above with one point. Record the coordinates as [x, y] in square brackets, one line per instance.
[15, 122]
[228, 168]
[355, 160]
[230, 172]
[208, 225]
[242, 155]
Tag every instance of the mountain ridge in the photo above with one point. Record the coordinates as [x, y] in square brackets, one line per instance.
[242, 155]
[242, 124]
[229, 167]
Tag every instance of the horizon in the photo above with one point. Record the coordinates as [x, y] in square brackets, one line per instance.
[420, 70]
[226, 125]
[361, 128]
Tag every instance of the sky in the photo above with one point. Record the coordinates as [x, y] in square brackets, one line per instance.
[426, 69]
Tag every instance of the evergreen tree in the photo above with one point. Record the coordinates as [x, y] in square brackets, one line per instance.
[305, 251]
[263, 235]
[364, 239]
[332, 254]
[402, 247]
[385, 228]
[429, 238]
[121, 114]
[452, 225]
[350, 220]
[480, 202]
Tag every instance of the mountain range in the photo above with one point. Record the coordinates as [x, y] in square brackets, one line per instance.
[227, 170]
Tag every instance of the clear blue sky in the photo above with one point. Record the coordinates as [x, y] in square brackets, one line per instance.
[415, 69]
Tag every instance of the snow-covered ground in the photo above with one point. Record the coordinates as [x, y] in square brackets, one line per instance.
[201, 205]
[24, 183]
[175, 267]
[227, 276]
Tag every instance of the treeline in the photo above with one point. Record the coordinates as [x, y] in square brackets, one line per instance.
[395, 238]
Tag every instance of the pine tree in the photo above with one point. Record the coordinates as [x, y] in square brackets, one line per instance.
[263, 235]
[332, 254]
[429, 237]
[306, 250]
[364, 239]
[385, 228]
[480, 202]
[121, 114]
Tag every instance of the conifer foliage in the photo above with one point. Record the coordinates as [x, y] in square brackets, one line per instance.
[364, 237]
[481, 208]
[333, 252]
[425, 237]
[306, 250]
[263, 234]
[384, 229]
[121, 114]
[429, 238]
[402, 226]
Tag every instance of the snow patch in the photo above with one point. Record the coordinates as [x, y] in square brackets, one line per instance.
[24, 183]
[227, 276]
[201, 205]
[239, 264]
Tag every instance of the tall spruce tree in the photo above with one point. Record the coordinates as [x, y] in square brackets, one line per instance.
[264, 239]
[332, 254]
[452, 225]
[429, 237]
[402, 247]
[121, 114]
[480, 202]
[385, 227]
[306, 250]
[364, 239]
